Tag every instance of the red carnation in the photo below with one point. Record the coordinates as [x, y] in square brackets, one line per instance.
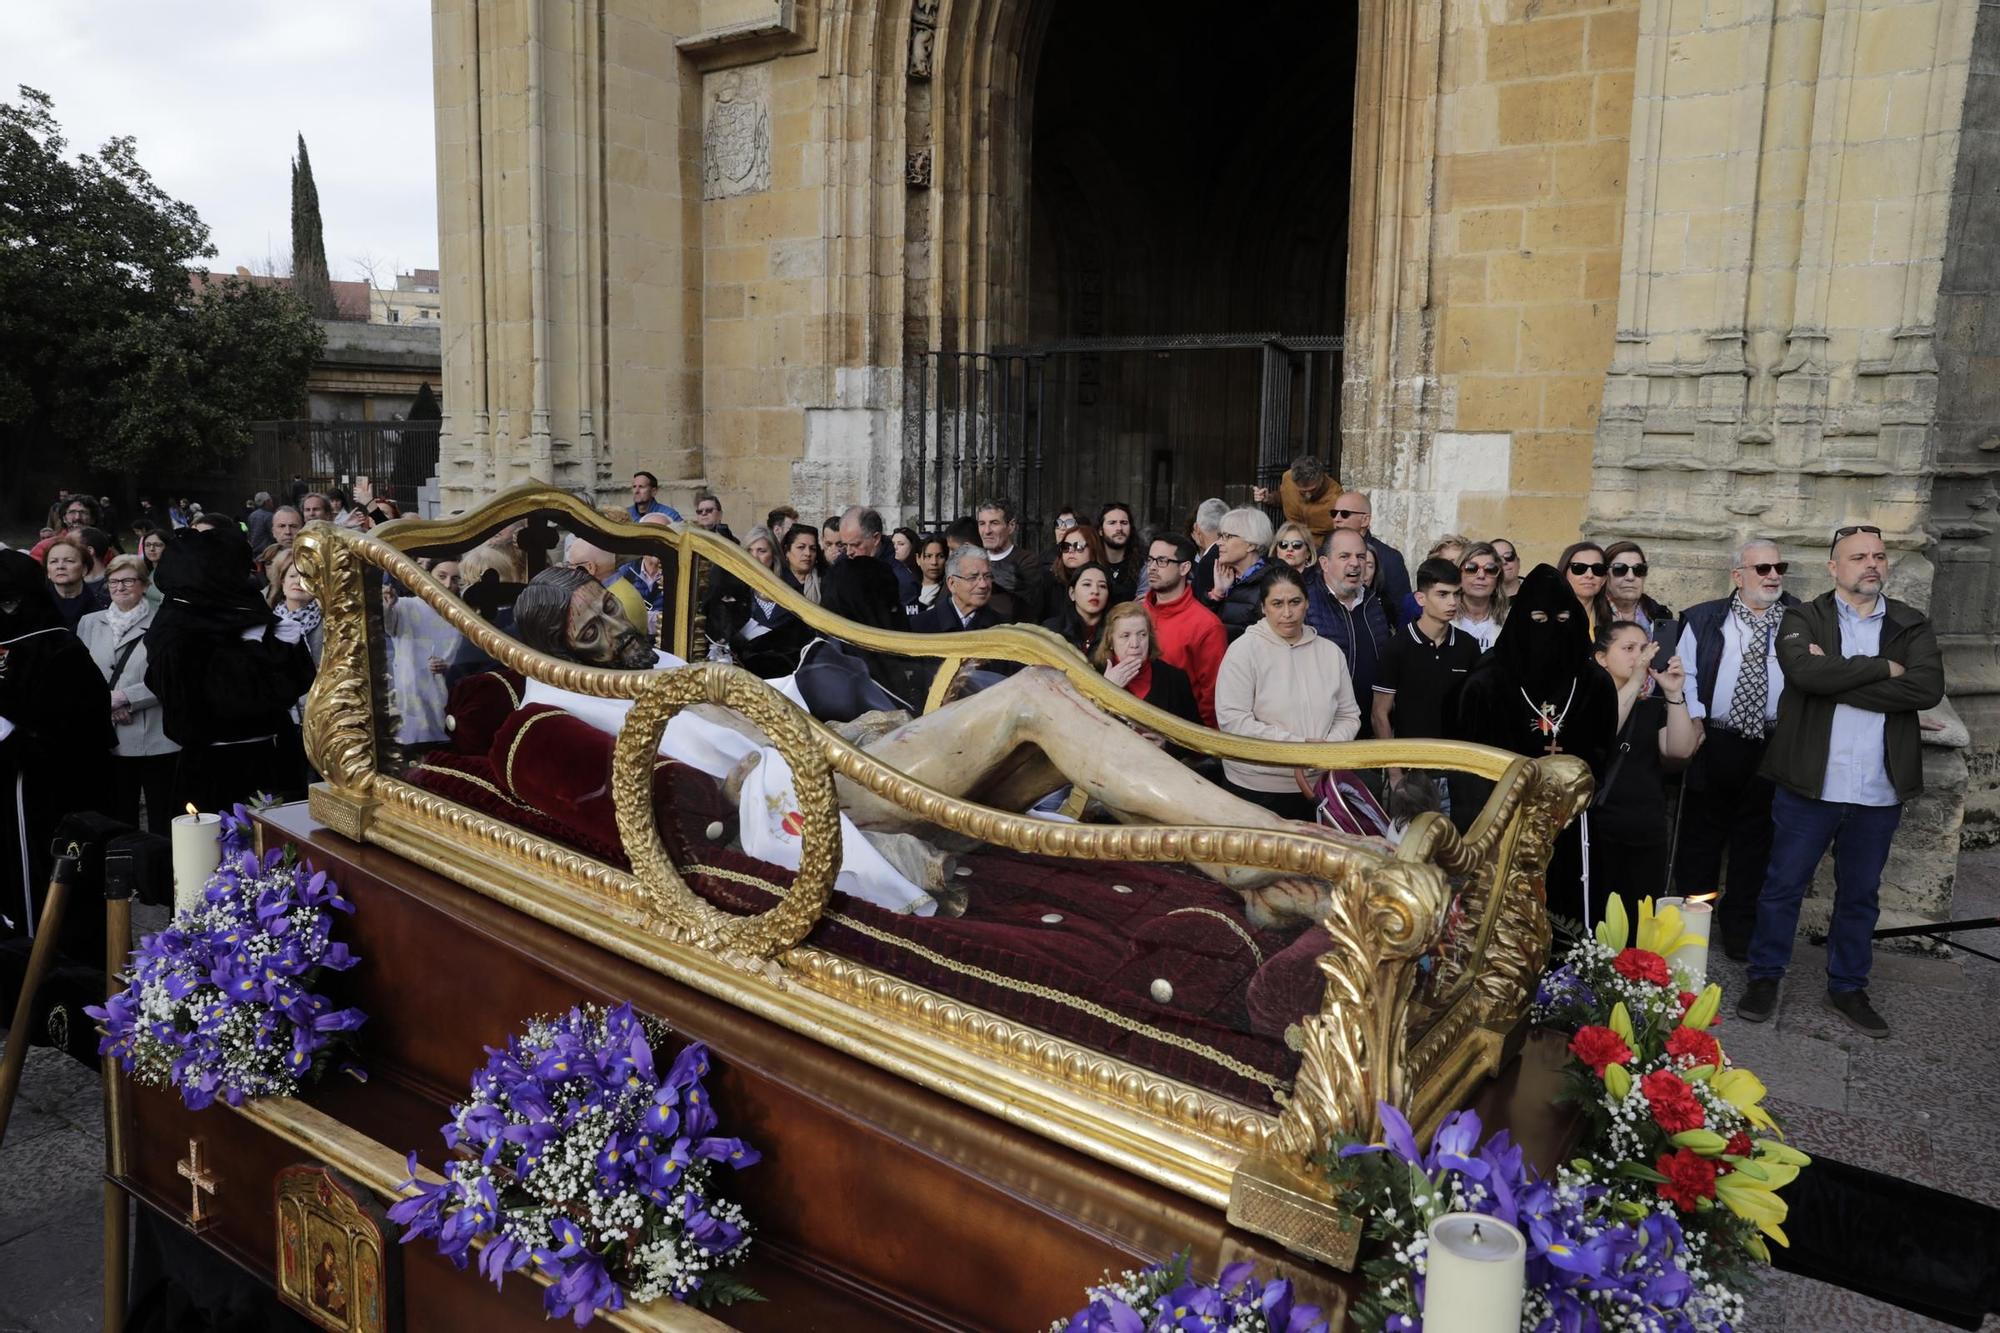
[1694, 1044]
[1738, 1145]
[1688, 998]
[1643, 965]
[1674, 1108]
[1690, 1178]
[1598, 1047]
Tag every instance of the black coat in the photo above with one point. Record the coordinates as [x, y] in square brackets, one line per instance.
[62, 736]
[864, 590]
[1242, 606]
[1173, 692]
[941, 617]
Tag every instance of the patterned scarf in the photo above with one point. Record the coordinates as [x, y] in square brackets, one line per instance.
[1753, 681]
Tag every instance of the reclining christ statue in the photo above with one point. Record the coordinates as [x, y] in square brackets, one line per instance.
[1006, 746]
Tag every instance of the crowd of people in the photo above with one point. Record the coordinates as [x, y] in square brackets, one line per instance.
[173, 674]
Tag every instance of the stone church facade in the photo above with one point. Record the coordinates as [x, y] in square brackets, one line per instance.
[1675, 270]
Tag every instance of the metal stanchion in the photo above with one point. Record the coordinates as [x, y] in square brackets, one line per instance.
[39, 961]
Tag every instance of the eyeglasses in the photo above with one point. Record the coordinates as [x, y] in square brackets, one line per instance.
[1580, 568]
[1510, 559]
[1481, 569]
[1164, 560]
[1076, 546]
[1769, 568]
[1291, 544]
[1621, 569]
[973, 578]
[115, 584]
[1350, 513]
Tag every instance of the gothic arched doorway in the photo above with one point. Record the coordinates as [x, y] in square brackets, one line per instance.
[1141, 199]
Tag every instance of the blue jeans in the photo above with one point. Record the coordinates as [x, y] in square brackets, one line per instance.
[1801, 831]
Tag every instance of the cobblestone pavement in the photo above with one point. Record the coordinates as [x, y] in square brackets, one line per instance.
[1921, 1104]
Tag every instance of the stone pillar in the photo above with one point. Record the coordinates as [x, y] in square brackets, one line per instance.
[1775, 370]
[563, 220]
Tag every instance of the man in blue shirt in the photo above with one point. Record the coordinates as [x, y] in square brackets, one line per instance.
[645, 486]
[1845, 755]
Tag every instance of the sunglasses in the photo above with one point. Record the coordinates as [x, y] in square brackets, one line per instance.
[1076, 546]
[1291, 544]
[1482, 569]
[1621, 569]
[1510, 559]
[1350, 513]
[1851, 531]
[1580, 568]
[1769, 568]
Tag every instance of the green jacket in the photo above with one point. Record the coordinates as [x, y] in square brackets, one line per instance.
[1814, 683]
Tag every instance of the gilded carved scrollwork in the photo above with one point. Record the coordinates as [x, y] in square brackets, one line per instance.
[339, 728]
[1352, 1050]
[1519, 947]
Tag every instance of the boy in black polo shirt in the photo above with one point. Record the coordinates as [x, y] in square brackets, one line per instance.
[1423, 665]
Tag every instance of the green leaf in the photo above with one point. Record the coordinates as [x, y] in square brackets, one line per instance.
[1639, 1171]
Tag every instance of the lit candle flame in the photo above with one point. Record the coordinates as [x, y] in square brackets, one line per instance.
[1703, 897]
[191, 809]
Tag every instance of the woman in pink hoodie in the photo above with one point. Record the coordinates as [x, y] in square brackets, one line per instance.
[1282, 682]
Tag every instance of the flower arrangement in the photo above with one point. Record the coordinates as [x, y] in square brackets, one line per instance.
[1166, 1299]
[576, 1157]
[1591, 1263]
[222, 1003]
[1675, 1123]
[1675, 1187]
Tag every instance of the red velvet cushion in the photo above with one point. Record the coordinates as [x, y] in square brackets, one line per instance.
[479, 703]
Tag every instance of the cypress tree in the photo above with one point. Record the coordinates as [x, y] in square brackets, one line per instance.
[309, 275]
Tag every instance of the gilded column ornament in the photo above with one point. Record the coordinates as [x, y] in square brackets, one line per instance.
[1352, 1050]
[1519, 948]
[339, 728]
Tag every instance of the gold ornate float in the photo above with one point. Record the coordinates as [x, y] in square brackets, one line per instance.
[1377, 1034]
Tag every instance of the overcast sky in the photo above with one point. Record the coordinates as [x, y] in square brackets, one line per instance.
[216, 92]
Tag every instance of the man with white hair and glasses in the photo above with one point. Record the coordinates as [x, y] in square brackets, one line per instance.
[1729, 649]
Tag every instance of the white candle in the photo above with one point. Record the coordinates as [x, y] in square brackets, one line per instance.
[1475, 1274]
[197, 852]
[1696, 917]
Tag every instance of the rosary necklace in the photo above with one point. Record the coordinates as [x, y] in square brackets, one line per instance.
[1548, 722]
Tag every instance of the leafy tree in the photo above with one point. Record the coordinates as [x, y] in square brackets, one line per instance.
[309, 274]
[107, 355]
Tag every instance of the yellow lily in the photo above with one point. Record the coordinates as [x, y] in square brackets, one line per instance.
[1744, 1091]
[1661, 932]
[1702, 1012]
[1621, 1023]
[1704, 1141]
[1757, 1201]
[1615, 928]
[1785, 1154]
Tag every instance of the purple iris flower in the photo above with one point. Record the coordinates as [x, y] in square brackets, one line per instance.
[1106, 1314]
[691, 1064]
[735, 1152]
[1454, 1144]
[709, 1231]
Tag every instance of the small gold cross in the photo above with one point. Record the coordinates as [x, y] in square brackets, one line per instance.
[200, 1181]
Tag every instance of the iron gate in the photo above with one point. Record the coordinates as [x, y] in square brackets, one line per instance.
[1157, 422]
